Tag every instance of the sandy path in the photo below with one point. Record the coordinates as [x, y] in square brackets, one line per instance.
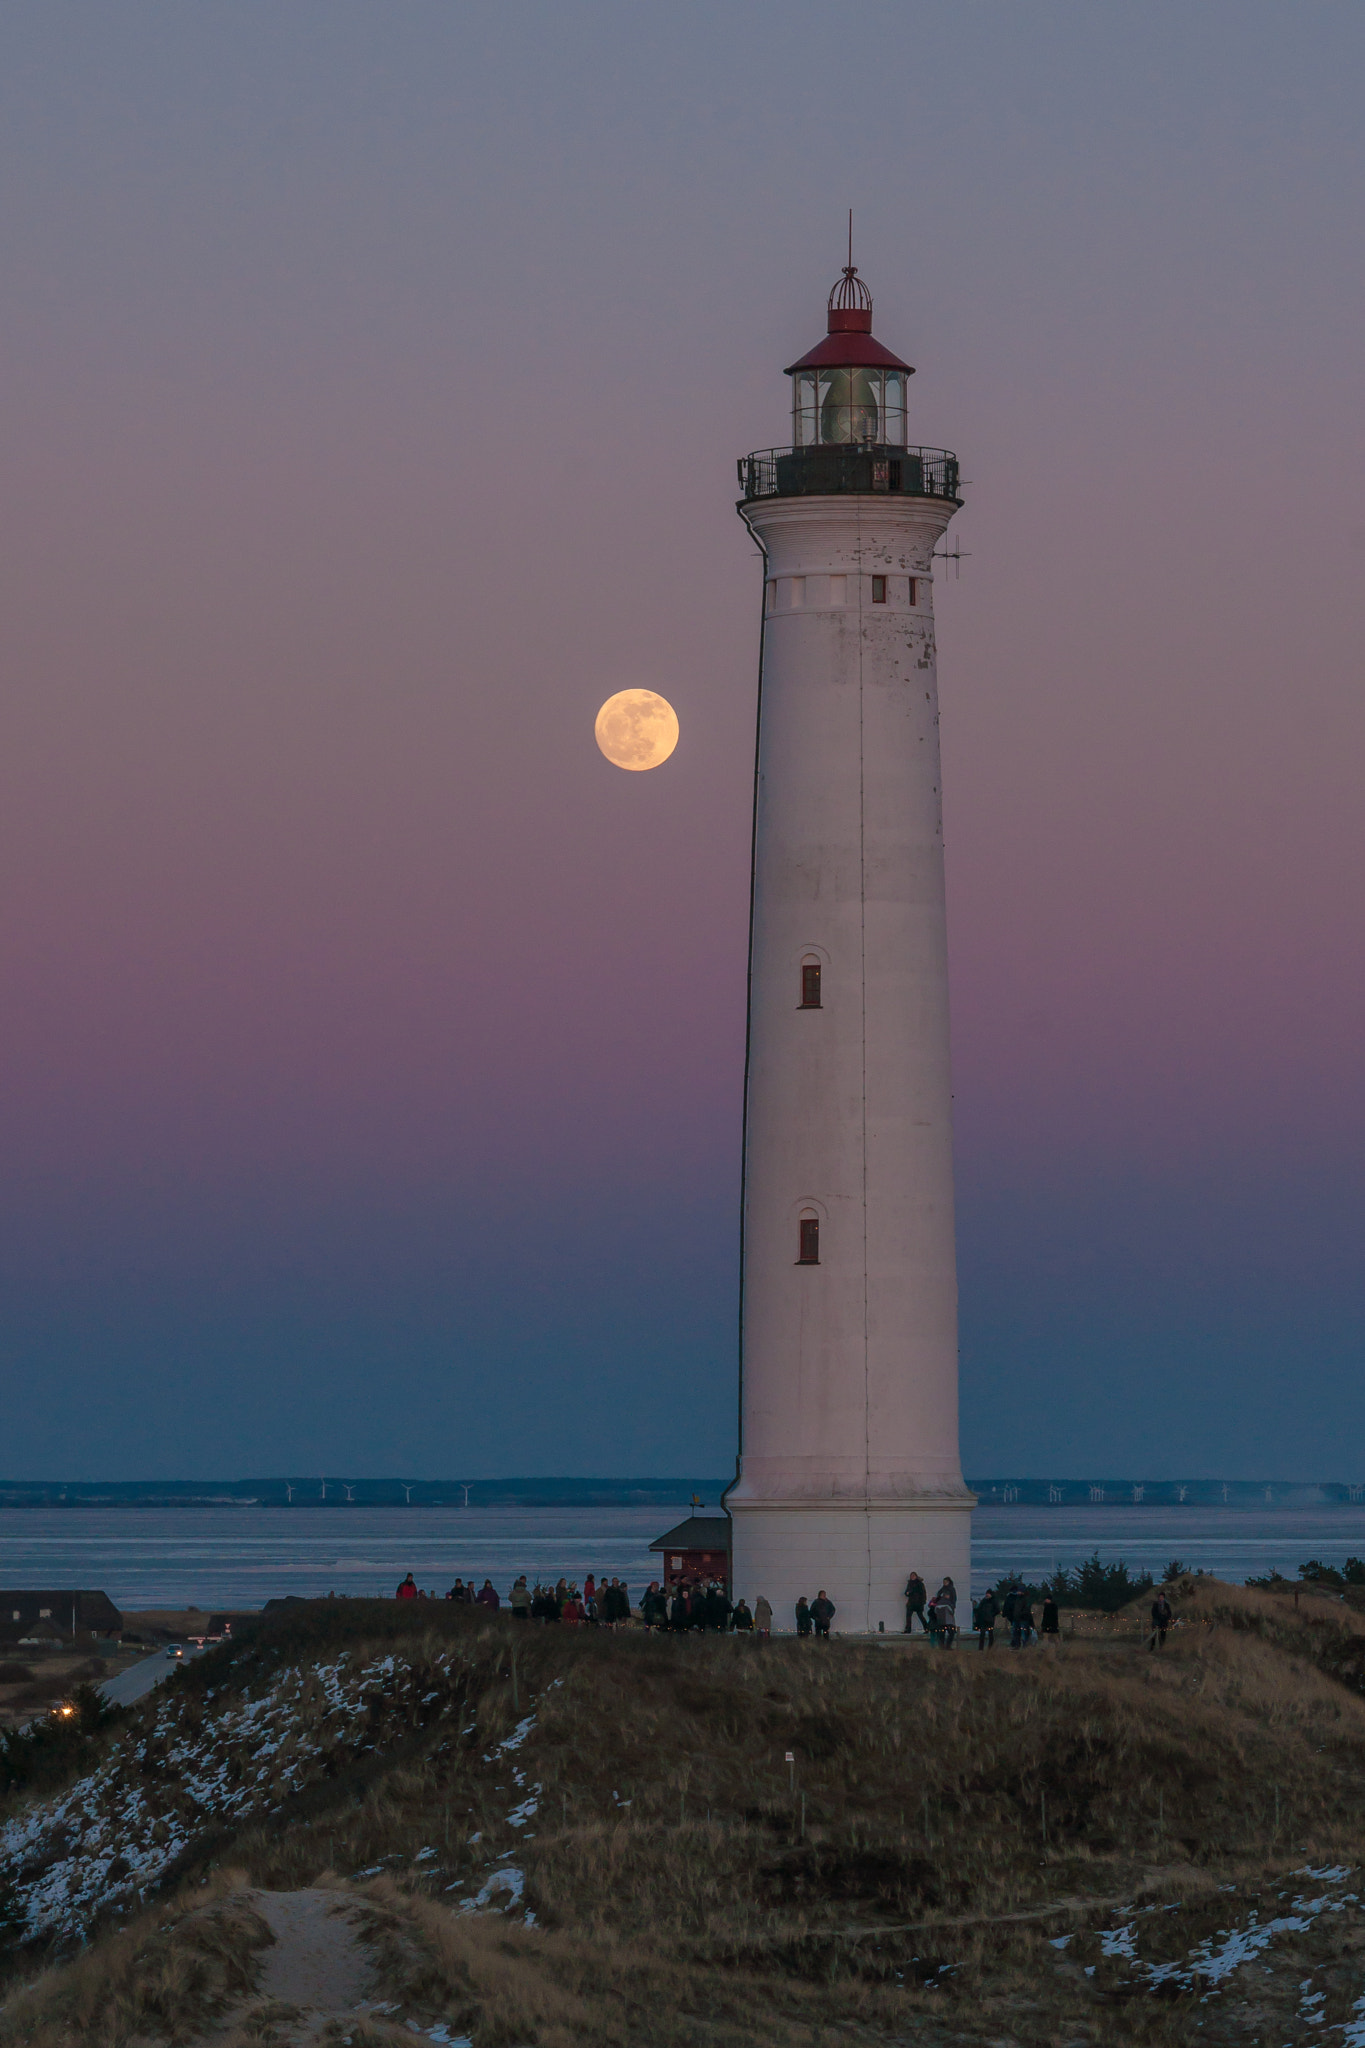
[317, 1961]
[318, 1967]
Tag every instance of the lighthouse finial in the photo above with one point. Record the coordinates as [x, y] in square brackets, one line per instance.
[850, 294]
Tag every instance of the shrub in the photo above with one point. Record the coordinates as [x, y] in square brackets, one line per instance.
[1095, 1585]
[49, 1749]
[1316, 1573]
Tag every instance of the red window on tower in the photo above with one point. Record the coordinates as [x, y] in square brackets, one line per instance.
[879, 590]
[810, 985]
[810, 1241]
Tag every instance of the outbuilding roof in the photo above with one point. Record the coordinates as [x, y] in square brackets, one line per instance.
[698, 1532]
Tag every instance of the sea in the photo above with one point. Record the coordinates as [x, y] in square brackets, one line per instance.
[241, 1554]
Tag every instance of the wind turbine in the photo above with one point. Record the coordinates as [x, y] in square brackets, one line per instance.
[349, 1491]
[289, 1493]
[324, 1488]
[465, 1490]
[407, 1490]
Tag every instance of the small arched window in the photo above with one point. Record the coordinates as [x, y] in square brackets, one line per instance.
[810, 983]
[808, 1242]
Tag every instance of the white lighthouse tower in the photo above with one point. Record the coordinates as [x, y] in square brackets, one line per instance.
[849, 1474]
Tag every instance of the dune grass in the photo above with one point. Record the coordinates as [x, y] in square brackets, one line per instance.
[167, 1976]
[945, 1858]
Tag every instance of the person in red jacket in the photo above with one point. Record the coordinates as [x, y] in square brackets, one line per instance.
[487, 1596]
[408, 1589]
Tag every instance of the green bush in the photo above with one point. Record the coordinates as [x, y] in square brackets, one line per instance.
[53, 1747]
[1102, 1588]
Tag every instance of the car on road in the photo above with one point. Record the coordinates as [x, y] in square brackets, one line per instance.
[175, 1650]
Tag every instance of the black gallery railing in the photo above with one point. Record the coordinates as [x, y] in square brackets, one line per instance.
[820, 471]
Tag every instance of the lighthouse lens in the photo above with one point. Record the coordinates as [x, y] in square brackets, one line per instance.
[850, 408]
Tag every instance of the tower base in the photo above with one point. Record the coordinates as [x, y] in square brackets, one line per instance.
[860, 1556]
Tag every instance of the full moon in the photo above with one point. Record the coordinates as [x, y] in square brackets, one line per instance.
[637, 729]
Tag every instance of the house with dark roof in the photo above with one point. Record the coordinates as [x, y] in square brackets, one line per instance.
[57, 1616]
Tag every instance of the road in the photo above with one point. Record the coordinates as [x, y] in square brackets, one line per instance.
[138, 1679]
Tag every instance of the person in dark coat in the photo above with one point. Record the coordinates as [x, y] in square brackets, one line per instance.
[987, 1610]
[487, 1596]
[1052, 1619]
[680, 1613]
[916, 1593]
[718, 1609]
[742, 1620]
[1163, 1617]
[822, 1612]
[803, 1621]
[1023, 1632]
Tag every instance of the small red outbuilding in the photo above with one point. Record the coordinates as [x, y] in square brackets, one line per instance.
[698, 1548]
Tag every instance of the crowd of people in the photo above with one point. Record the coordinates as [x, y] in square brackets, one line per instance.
[692, 1605]
[705, 1605]
[937, 1617]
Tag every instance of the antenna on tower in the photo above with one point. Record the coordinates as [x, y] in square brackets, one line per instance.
[956, 554]
[850, 238]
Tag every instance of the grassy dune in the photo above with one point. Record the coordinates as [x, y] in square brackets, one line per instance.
[567, 1837]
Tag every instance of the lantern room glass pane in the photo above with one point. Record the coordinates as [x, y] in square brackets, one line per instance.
[850, 405]
[894, 415]
[804, 423]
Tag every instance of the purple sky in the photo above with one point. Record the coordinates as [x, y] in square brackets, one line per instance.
[372, 381]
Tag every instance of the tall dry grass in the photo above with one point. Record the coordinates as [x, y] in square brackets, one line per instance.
[166, 1977]
[946, 1819]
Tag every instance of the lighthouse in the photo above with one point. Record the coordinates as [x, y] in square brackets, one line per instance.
[849, 1474]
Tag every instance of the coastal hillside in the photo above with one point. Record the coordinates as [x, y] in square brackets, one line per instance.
[550, 1836]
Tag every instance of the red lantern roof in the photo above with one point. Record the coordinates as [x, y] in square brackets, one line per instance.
[849, 344]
